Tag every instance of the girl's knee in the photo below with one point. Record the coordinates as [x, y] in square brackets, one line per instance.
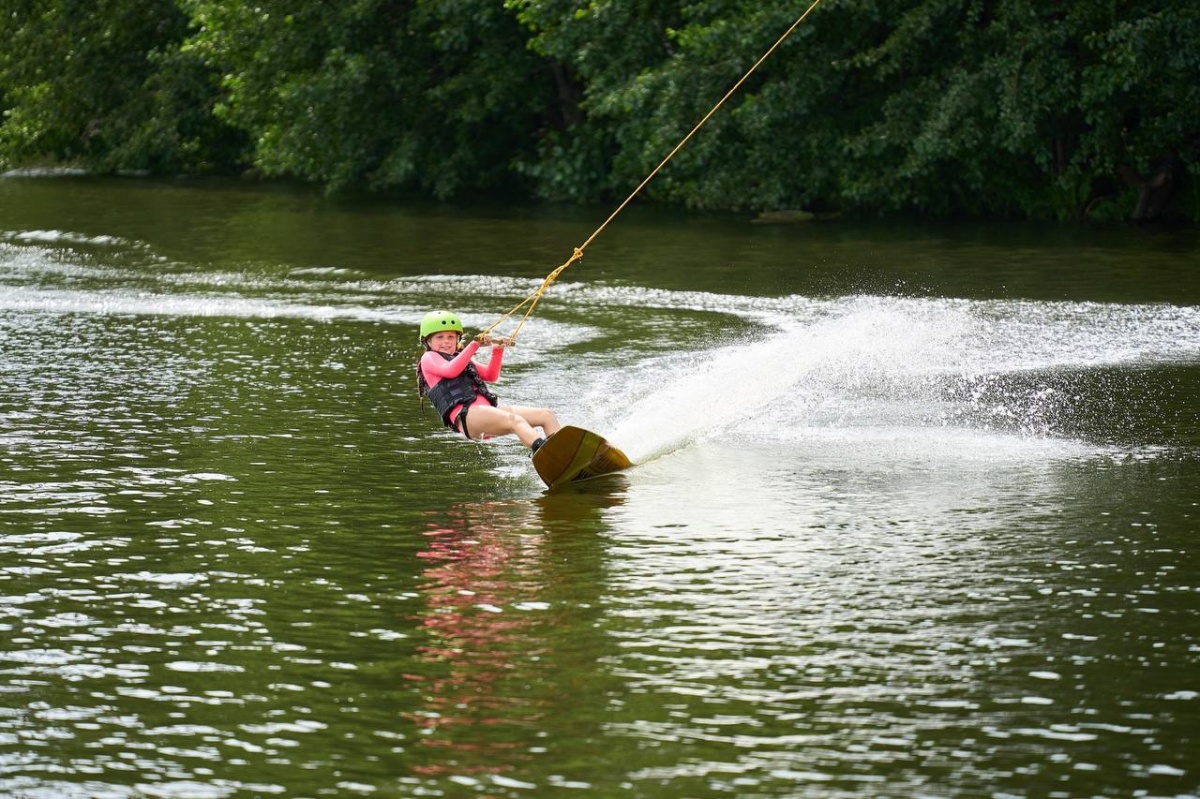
[513, 420]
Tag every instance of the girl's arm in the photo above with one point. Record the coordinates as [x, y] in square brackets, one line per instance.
[490, 371]
[434, 365]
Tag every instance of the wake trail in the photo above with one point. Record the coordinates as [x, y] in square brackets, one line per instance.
[891, 368]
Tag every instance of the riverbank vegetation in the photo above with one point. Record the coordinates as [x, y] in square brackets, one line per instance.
[939, 108]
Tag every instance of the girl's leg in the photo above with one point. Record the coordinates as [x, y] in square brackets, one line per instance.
[505, 420]
[502, 421]
[538, 417]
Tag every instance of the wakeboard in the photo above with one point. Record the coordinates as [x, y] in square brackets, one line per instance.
[573, 454]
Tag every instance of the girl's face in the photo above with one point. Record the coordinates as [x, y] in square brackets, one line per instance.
[444, 341]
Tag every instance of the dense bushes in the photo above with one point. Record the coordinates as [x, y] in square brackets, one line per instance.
[1008, 108]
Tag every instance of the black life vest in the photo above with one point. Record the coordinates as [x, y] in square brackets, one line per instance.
[454, 391]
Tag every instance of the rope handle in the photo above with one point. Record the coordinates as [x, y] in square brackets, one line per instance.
[486, 338]
[532, 300]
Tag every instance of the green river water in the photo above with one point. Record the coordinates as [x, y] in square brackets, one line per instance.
[915, 510]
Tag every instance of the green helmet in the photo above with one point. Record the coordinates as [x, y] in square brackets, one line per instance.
[437, 321]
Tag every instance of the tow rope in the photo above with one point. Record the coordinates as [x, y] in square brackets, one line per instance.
[530, 302]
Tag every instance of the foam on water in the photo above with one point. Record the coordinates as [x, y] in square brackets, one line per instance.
[43, 271]
[897, 371]
[62, 237]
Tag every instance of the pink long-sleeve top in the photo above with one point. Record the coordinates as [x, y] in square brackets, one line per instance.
[436, 369]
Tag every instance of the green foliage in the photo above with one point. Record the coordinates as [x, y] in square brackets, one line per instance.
[991, 108]
[104, 84]
[596, 50]
[433, 96]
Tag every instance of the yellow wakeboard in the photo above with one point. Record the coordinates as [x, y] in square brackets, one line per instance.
[574, 454]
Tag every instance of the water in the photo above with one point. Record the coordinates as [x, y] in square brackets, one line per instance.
[914, 515]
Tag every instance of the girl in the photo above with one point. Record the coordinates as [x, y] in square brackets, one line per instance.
[456, 386]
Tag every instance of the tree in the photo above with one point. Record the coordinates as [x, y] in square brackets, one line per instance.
[105, 84]
[598, 53]
[432, 96]
[940, 108]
